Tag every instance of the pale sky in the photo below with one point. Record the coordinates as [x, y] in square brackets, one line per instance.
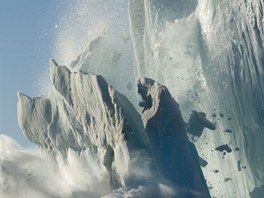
[29, 32]
[26, 40]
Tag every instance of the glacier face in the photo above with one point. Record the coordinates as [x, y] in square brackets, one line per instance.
[86, 118]
[210, 56]
[240, 74]
[176, 158]
[86, 115]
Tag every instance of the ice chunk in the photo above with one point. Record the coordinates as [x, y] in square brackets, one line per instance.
[224, 147]
[86, 115]
[176, 158]
[198, 122]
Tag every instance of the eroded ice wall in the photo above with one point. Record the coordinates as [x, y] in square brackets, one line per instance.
[234, 39]
[86, 123]
[86, 115]
[210, 55]
[176, 158]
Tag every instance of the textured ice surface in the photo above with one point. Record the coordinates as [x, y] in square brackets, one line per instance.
[176, 157]
[84, 116]
[210, 56]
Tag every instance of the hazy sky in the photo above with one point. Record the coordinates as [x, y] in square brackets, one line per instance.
[34, 31]
[26, 38]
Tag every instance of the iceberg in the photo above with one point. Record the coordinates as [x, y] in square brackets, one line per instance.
[205, 55]
[85, 115]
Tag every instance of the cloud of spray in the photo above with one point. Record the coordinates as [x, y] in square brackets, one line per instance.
[79, 23]
[33, 173]
[81, 20]
[24, 173]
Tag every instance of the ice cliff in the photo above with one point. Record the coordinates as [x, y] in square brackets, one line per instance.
[176, 157]
[210, 56]
[85, 115]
